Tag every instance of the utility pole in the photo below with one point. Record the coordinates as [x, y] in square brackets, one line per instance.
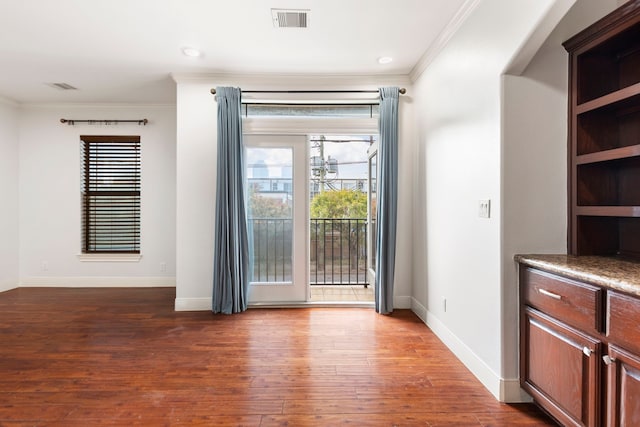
[323, 169]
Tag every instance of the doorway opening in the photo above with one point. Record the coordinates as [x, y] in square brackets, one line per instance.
[341, 185]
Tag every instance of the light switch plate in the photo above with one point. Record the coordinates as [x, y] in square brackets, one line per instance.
[484, 208]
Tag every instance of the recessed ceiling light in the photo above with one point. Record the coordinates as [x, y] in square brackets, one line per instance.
[385, 60]
[191, 51]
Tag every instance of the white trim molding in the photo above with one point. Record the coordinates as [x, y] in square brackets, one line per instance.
[419, 309]
[443, 38]
[556, 11]
[79, 106]
[401, 302]
[295, 81]
[204, 304]
[193, 304]
[511, 392]
[98, 282]
[503, 389]
[7, 285]
[109, 257]
[475, 364]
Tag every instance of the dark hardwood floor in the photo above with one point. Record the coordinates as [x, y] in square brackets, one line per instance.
[85, 357]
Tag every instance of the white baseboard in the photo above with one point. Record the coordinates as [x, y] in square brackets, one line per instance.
[503, 389]
[193, 304]
[401, 302]
[419, 309]
[7, 285]
[98, 282]
[202, 304]
[511, 392]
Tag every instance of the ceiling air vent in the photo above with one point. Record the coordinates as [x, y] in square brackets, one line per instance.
[288, 18]
[62, 86]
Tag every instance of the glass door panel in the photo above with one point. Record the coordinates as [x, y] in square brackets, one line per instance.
[270, 213]
[276, 215]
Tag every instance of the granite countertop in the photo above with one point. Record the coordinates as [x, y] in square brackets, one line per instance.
[609, 272]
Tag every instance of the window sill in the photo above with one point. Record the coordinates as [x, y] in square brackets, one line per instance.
[109, 257]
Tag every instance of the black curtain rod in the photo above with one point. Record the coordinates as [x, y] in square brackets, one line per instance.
[402, 91]
[103, 121]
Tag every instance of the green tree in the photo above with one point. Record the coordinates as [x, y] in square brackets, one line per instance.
[339, 204]
[267, 207]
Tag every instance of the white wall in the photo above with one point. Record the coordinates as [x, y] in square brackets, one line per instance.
[9, 195]
[196, 169]
[535, 161]
[50, 196]
[458, 162]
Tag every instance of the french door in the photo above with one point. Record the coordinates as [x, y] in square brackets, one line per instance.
[276, 171]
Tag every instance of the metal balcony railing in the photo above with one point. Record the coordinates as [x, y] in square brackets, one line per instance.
[338, 251]
[272, 240]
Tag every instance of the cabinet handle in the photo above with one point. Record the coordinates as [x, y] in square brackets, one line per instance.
[587, 351]
[549, 294]
[608, 360]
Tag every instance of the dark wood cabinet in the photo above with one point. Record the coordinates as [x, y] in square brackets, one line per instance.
[580, 336]
[623, 387]
[580, 350]
[561, 369]
[577, 304]
[604, 136]
[559, 363]
[623, 320]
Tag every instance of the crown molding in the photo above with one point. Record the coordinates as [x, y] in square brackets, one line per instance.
[294, 81]
[118, 106]
[443, 38]
[543, 28]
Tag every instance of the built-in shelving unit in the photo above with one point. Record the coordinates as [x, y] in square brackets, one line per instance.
[604, 136]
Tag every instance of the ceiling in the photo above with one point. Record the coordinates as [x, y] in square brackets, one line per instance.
[123, 51]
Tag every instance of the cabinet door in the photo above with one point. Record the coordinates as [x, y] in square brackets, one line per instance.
[559, 368]
[623, 388]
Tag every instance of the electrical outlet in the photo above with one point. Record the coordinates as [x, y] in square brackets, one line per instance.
[44, 266]
[163, 267]
[484, 208]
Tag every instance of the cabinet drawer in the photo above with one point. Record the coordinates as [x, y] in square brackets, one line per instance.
[623, 321]
[576, 304]
[560, 368]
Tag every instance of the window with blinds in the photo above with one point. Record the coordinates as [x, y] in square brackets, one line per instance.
[110, 194]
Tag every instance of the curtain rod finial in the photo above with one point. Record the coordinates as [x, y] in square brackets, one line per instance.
[213, 91]
[402, 91]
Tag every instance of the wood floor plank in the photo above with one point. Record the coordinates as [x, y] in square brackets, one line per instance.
[74, 356]
[369, 420]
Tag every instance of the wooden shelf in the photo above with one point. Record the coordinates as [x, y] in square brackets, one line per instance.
[612, 211]
[609, 99]
[609, 155]
[604, 136]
